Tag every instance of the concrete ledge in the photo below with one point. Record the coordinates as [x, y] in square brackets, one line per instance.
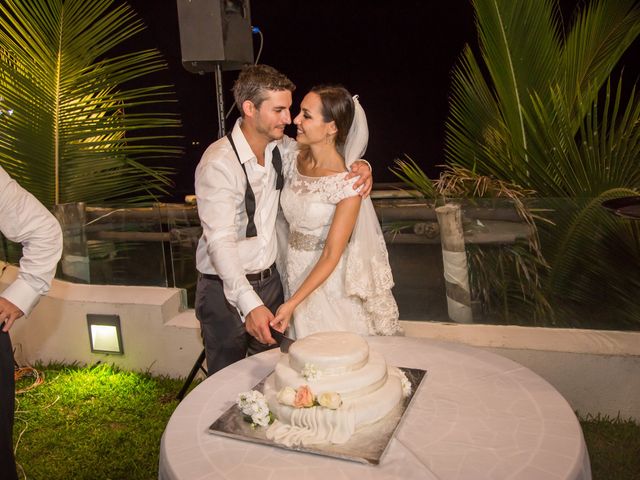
[568, 340]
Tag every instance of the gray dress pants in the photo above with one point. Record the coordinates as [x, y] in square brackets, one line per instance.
[225, 339]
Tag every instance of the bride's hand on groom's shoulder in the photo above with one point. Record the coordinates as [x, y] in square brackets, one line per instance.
[283, 317]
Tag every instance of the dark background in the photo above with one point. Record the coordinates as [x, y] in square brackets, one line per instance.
[396, 55]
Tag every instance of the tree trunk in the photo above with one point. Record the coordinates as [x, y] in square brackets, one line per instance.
[454, 257]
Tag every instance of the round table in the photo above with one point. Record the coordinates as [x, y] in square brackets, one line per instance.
[476, 415]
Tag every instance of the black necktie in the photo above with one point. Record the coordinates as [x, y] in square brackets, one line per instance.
[276, 159]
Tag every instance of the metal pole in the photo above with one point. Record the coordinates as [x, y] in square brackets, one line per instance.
[220, 101]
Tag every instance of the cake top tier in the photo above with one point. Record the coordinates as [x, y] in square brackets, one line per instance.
[329, 352]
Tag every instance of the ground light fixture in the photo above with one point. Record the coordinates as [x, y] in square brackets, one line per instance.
[105, 335]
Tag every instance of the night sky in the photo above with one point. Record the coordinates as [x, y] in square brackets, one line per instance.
[396, 55]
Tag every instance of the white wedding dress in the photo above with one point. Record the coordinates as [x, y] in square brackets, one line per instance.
[309, 204]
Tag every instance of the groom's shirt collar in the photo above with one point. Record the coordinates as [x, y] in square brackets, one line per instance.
[244, 150]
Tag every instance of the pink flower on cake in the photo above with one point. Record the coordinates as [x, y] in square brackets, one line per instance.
[304, 397]
[330, 400]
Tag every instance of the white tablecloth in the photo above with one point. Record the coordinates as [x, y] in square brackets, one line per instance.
[476, 416]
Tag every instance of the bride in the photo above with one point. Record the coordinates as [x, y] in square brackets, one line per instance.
[337, 267]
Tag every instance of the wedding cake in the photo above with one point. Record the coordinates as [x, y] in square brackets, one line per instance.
[329, 385]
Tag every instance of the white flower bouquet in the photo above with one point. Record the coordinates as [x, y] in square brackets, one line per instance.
[254, 408]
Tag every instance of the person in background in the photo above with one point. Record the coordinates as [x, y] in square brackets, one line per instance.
[25, 220]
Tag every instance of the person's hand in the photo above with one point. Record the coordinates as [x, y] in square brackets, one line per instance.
[9, 313]
[257, 324]
[363, 170]
[283, 317]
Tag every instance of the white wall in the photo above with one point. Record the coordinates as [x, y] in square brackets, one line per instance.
[150, 317]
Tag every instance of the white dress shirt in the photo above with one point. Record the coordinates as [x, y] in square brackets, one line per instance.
[25, 220]
[220, 186]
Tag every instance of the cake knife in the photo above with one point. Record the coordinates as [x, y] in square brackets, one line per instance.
[281, 339]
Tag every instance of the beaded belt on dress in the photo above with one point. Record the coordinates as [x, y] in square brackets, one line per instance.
[304, 241]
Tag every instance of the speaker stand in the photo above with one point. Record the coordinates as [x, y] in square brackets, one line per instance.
[192, 374]
[220, 101]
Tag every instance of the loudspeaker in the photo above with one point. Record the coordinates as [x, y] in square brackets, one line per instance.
[215, 32]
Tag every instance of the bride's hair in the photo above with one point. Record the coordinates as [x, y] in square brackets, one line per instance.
[337, 106]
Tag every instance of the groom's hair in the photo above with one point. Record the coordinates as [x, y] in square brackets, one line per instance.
[255, 81]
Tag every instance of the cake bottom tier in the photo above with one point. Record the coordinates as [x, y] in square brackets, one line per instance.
[317, 425]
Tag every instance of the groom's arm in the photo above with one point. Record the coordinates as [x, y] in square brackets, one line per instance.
[218, 193]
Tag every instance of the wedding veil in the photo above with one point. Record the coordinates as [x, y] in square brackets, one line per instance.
[368, 274]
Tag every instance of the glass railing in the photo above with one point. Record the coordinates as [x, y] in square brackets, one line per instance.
[549, 262]
[113, 244]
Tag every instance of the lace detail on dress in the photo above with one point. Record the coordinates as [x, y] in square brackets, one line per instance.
[371, 280]
[331, 189]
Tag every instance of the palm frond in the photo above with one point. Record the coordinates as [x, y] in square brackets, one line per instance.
[472, 98]
[594, 45]
[586, 224]
[76, 133]
[517, 64]
[411, 174]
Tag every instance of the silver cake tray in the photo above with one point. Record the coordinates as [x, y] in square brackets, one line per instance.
[367, 445]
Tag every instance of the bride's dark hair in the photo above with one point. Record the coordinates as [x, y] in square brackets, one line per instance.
[337, 106]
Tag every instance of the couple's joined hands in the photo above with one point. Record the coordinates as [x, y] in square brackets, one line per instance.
[257, 322]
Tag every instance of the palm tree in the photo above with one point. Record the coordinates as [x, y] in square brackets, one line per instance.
[76, 133]
[537, 109]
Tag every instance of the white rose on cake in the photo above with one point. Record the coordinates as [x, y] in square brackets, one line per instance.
[287, 396]
[330, 400]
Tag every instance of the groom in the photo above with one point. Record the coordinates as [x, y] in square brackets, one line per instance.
[237, 184]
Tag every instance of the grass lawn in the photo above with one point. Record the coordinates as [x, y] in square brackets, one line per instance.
[614, 447]
[92, 423]
[102, 423]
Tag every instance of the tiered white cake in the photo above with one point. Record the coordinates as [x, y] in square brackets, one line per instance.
[338, 370]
